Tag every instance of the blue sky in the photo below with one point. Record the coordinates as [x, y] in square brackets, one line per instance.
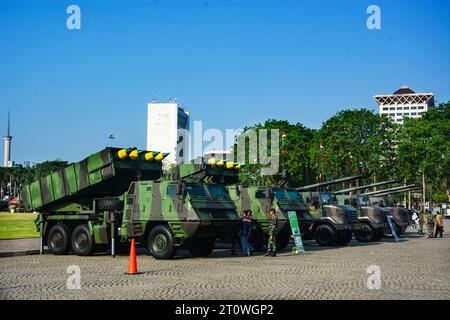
[231, 63]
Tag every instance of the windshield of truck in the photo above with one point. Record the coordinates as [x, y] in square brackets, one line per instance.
[280, 194]
[196, 190]
[364, 201]
[328, 198]
[295, 196]
[217, 191]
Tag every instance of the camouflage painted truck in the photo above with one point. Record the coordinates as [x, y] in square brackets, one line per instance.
[373, 218]
[123, 194]
[333, 224]
[260, 199]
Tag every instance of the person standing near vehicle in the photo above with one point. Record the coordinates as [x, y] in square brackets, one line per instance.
[414, 220]
[421, 222]
[439, 225]
[430, 224]
[245, 231]
[273, 226]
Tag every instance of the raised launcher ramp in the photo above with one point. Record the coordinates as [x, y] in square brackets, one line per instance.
[106, 173]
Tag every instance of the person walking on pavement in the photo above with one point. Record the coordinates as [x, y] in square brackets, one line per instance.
[439, 225]
[245, 230]
[273, 226]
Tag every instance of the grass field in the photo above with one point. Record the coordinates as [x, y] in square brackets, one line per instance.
[17, 225]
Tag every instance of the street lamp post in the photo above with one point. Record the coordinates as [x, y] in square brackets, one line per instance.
[423, 190]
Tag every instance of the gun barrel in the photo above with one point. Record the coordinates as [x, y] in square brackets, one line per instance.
[376, 184]
[397, 191]
[391, 190]
[331, 182]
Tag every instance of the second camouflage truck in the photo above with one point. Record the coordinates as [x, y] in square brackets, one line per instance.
[260, 199]
[123, 194]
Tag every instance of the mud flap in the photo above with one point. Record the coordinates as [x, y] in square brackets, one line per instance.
[296, 233]
[392, 227]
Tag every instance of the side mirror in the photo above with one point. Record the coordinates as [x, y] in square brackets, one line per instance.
[181, 189]
[238, 191]
[269, 192]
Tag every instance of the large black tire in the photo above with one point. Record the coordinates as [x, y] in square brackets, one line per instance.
[82, 241]
[202, 247]
[58, 239]
[378, 235]
[161, 243]
[109, 205]
[365, 234]
[325, 235]
[257, 239]
[344, 237]
[282, 240]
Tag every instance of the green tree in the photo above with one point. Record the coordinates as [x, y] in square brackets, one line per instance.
[293, 154]
[425, 147]
[352, 136]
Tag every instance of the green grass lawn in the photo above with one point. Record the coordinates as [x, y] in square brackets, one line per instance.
[17, 225]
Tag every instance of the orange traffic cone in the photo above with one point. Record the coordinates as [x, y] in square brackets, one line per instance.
[132, 265]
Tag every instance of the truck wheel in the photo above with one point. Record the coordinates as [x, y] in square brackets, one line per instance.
[344, 237]
[109, 205]
[282, 241]
[82, 241]
[256, 239]
[325, 235]
[58, 239]
[379, 234]
[365, 234]
[202, 247]
[161, 243]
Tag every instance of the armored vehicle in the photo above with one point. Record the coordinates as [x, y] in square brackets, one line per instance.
[260, 200]
[400, 216]
[373, 218]
[123, 194]
[332, 222]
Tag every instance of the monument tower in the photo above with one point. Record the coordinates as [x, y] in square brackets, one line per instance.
[7, 162]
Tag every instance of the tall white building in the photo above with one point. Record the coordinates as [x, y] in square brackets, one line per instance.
[404, 103]
[167, 130]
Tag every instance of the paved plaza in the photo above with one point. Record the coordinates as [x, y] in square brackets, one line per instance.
[415, 268]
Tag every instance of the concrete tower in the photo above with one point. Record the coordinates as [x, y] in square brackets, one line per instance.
[7, 138]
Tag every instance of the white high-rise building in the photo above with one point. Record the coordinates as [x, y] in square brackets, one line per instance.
[404, 103]
[167, 128]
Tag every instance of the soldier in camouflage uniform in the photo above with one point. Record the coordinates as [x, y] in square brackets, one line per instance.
[430, 224]
[272, 244]
[421, 221]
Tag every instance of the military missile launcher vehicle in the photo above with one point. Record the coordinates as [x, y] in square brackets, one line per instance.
[333, 223]
[373, 218]
[123, 194]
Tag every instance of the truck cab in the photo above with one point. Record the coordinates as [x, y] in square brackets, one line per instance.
[373, 218]
[400, 215]
[333, 222]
